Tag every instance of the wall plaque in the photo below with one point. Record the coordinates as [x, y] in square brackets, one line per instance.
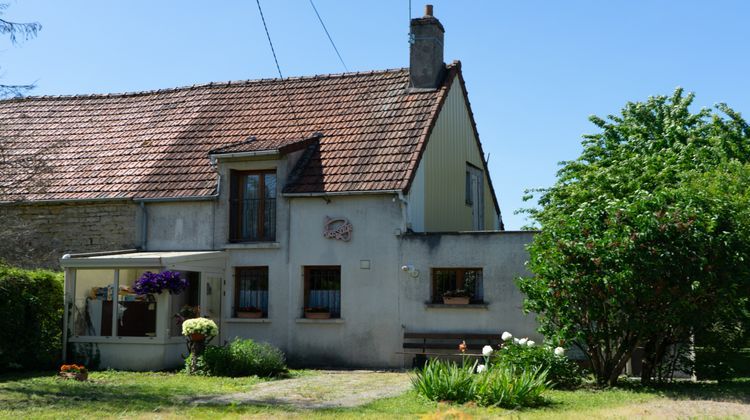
[337, 228]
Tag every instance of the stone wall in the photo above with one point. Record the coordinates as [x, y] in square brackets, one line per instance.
[37, 235]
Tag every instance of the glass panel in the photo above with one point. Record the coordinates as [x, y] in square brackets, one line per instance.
[92, 308]
[270, 183]
[211, 305]
[445, 281]
[250, 207]
[186, 305]
[252, 290]
[324, 289]
[473, 283]
[269, 216]
[136, 314]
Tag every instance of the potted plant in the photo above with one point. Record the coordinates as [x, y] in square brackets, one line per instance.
[317, 312]
[77, 372]
[150, 283]
[456, 297]
[198, 329]
[249, 312]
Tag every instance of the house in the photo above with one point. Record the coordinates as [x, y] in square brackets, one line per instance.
[365, 196]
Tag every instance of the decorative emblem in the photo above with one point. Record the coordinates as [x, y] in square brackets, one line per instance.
[337, 228]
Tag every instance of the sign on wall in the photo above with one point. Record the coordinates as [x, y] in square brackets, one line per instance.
[337, 228]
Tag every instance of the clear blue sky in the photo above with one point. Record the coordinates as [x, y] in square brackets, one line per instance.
[535, 70]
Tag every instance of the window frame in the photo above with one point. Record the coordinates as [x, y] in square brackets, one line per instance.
[237, 279]
[237, 182]
[306, 278]
[460, 281]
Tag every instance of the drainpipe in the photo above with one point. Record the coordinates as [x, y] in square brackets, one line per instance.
[144, 226]
[404, 212]
[215, 166]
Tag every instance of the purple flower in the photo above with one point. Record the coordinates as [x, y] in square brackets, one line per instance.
[150, 283]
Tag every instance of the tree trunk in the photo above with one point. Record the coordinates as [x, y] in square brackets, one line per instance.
[196, 350]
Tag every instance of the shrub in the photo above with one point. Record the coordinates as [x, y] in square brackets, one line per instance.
[445, 381]
[30, 318]
[496, 385]
[241, 358]
[561, 371]
[507, 386]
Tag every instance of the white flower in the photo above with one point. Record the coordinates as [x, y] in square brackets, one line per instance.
[559, 351]
[530, 343]
[506, 336]
[516, 341]
[523, 341]
[481, 368]
[487, 351]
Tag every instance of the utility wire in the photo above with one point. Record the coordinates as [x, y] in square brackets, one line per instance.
[320, 19]
[273, 51]
[278, 68]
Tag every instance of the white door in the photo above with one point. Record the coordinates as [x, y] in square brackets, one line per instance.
[211, 296]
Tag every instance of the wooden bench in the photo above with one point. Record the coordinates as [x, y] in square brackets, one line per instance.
[422, 345]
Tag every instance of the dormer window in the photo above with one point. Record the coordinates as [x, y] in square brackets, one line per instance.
[252, 202]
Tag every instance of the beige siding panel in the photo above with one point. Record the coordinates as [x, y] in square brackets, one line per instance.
[451, 145]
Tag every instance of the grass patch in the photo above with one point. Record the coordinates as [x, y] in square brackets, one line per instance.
[131, 394]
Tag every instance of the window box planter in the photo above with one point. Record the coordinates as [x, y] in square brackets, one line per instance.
[253, 314]
[317, 313]
[456, 300]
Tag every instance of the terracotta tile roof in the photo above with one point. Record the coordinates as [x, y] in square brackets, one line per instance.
[156, 144]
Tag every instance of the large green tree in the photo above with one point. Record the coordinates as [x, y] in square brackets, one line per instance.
[645, 235]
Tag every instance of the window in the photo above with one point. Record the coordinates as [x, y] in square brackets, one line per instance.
[323, 289]
[106, 305]
[452, 279]
[474, 195]
[251, 292]
[252, 200]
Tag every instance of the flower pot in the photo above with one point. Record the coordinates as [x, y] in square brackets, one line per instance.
[78, 376]
[197, 337]
[249, 314]
[317, 315]
[457, 300]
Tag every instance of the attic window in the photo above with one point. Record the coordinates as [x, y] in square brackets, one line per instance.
[252, 205]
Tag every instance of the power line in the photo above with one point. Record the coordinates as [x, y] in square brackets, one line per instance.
[273, 51]
[329, 35]
[278, 68]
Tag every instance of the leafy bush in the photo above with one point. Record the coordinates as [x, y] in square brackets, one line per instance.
[507, 386]
[561, 371]
[495, 385]
[241, 358]
[445, 381]
[30, 318]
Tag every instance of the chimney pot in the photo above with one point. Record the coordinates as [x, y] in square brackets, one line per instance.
[428, 10]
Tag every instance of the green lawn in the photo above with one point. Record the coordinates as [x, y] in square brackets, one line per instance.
[126, 394]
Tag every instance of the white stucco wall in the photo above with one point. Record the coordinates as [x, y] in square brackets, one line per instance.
[380, 303]
[415, 198]
[501, 255]
[180, 226]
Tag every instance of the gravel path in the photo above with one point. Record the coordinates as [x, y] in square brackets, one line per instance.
[325, 389]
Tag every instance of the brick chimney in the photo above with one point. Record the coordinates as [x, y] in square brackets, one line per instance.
[426, 65]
